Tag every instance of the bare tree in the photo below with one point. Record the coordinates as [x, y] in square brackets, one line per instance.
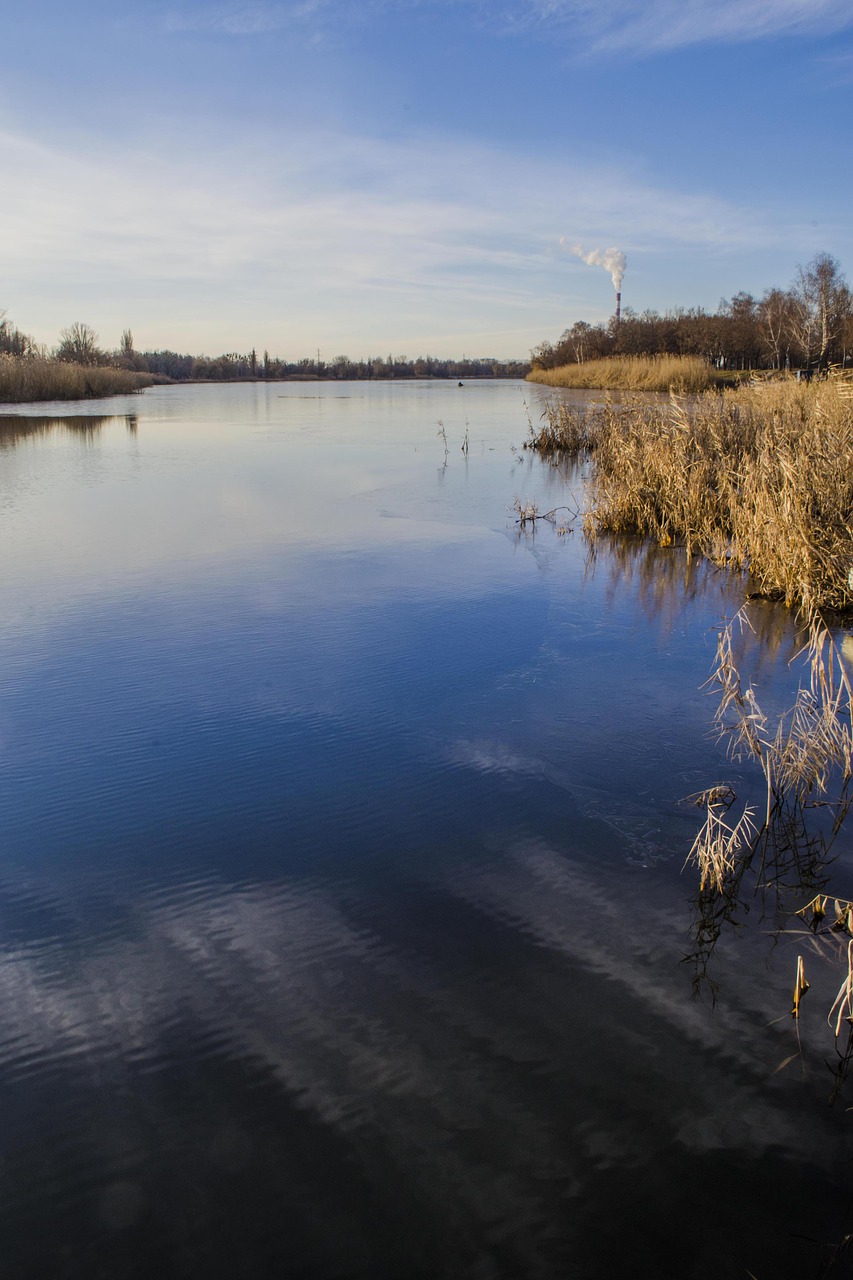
[777, 314]
[822, 302]
[79, 345]
[12, 341]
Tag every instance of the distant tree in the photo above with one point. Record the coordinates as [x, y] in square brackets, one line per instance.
[12, 341]
[812, 321]
[742, 342]
[127, 357]
[578, 338]
[541, 356]
[822, 301]
[79, 344]
[776, 313]
[845, 340]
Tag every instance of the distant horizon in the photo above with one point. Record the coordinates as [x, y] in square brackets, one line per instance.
[379, 349]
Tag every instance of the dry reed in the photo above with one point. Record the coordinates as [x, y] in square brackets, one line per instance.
[806, 759]
[634, 373]
[757, 479]
[760, 478]
[31, 378]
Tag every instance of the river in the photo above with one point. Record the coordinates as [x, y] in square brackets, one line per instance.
[342, 901]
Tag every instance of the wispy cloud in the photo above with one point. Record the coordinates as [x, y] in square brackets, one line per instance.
[671, 24]
[339, 232]
[838, 68]
[244, 19]
[606, 26]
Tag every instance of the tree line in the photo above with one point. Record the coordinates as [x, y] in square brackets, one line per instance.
[79, 344]
[806, 326]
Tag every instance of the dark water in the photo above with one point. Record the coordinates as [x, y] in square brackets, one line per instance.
[341, 890]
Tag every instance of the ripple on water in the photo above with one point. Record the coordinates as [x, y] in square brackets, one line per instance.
[319, 946]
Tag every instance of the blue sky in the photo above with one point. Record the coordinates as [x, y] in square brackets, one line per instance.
[376, 176]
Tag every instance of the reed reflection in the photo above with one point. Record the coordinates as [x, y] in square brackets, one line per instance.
[665, 578]
[16, 427]
[778, 851]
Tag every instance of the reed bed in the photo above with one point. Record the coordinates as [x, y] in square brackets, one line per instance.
[683, 374]
[30, 378]
[759, 479]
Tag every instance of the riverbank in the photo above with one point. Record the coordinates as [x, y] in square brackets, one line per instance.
[682, 374]
[759, 478]
[26, 379]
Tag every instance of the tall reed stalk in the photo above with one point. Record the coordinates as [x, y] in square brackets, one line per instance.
[760, 478]
[757, 479]
[782, 857]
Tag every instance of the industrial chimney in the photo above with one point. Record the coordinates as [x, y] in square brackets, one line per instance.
[618, 307]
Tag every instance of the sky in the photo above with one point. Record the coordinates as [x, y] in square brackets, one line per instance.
[375, 177]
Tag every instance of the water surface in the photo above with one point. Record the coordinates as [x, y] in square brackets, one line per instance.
[341, 845]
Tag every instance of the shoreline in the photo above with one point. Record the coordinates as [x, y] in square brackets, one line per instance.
[90, 387]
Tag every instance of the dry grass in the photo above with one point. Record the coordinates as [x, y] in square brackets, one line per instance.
[26, 379]
[683, 374]
[832, 939]
[806, 758]
[759, 478]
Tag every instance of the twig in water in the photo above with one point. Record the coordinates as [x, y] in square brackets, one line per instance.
[442, 435]
[528, 513]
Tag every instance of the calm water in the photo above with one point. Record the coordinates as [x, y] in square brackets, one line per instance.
[341, 890]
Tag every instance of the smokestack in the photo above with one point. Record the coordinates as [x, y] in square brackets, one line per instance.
[613, 260]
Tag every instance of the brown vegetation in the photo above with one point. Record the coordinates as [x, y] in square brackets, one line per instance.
[782, 856]
[32, 378]
[760, 478]
[682, 374]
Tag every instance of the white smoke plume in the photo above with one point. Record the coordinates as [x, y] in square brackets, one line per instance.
[613, 260]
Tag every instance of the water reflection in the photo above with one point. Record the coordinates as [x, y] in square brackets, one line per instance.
[15, 428]
[775, 853]
[328, 1049]
[664, 578]
[340, 908]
